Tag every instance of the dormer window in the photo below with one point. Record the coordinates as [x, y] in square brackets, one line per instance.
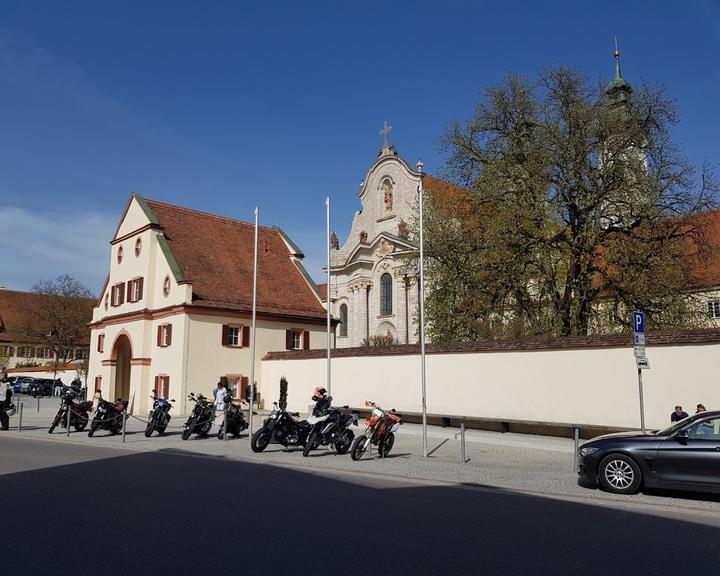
[119, 254]
[138, 246]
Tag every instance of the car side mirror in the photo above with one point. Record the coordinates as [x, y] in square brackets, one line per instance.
[682, 437]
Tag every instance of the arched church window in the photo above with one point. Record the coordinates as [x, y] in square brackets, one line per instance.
[385, 295]
[119, 254]
[343, 320]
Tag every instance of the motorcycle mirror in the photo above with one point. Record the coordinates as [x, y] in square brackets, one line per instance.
[192, 393]
[173, 400]
[368, 403]
[346, 407]
[154, 391]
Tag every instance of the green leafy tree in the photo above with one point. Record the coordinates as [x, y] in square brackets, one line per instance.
[576, 209]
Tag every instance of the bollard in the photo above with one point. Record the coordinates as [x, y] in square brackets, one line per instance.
[124, 425]
[462, 443]
[576, 435]
[38, 399]
[225, 434]
[67, 424]
[20, 417]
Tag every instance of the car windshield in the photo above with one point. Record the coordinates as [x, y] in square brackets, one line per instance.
[676, 426]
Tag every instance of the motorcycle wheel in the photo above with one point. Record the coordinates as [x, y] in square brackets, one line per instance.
[343, 445]
[260, 440]
[150, 428]
[386, 445]
[93, 428]
[161, 429]
[54, 424]
[80, 423]
[187, 432]
[358, 447]
[205, 428]
[311, 442]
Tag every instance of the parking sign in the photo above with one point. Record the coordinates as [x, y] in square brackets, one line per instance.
[639, 322]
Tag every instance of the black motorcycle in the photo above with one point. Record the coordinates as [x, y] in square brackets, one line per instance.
[330, 427]
[234, 421]
[108, 416]
[282, 427]
[159, 416]
[79, 412]
[201, 418]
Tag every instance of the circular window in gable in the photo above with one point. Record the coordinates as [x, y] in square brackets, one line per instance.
[166, 286]
[138, 246]
[120, 254]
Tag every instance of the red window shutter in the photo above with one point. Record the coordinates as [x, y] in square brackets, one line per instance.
[159, 336]
[243, 387]
[156, 386]
[246, 335]
[288, 339]
[112, 296]
[121, 294]
[140, 282]
[129, 290]
[225, 334]
[306, 340]
[165, 386]
[169, 335]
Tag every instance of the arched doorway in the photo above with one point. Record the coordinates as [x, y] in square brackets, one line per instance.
[121, 355]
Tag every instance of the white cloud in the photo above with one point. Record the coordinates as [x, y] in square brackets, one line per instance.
[36, 247]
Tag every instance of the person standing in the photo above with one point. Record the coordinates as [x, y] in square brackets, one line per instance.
[700, 408]
[678, 414]
[219, 395]
[5, 397]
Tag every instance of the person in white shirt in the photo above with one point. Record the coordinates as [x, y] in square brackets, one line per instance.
[219, 395]
[5, 397]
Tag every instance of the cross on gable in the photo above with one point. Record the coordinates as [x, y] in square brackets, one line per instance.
[385, 131]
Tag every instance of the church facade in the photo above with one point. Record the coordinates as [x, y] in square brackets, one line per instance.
[372, 294]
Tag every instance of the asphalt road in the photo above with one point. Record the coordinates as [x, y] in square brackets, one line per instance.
[90, 510]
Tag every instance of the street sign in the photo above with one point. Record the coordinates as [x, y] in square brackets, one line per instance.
[639, 322]
[639, 351]
[639, 339]
[642, 363]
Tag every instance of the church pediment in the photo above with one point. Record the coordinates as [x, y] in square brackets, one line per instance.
[383, 245]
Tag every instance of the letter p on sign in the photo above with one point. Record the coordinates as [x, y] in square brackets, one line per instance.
[639, 322]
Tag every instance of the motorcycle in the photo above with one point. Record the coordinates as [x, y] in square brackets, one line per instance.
[330, 427]
[79, 412]
[159, 416]
[108, 416]
[201, 418]
[282, 427]
[234, 421]
[380, 432]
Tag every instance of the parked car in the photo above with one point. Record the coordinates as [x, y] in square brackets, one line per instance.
[42, 387]
[13, 380]
[685, 456]
[22, 384]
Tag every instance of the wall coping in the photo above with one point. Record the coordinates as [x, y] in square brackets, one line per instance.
[624, 340]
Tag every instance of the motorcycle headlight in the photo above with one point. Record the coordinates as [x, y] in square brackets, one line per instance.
[587, 451]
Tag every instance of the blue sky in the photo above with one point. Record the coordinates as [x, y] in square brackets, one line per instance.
[222, 106]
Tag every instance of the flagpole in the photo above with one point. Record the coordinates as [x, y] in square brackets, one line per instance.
[422, 315]
[252, 341]
[327, 296]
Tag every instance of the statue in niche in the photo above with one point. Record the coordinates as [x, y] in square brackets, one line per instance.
[334, 243]
[403, 230]
[363, 237]
[387, 189]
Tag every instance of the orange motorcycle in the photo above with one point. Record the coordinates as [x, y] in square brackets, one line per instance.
[380, 432]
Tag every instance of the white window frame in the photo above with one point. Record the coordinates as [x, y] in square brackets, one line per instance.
[713, 309]
[297, 340]
[234, 336]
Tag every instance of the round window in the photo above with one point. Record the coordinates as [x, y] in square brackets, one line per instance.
[119, 254]
[166, 285]
[138, 246]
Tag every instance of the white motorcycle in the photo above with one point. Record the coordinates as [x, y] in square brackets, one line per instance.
[330, 427]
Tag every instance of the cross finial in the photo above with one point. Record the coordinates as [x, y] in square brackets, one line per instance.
[385, 131]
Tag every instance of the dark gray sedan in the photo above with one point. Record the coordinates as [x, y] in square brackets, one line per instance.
[685, 456]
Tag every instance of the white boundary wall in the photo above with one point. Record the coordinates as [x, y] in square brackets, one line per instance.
[593, 386]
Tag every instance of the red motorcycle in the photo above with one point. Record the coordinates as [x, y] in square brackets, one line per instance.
[79, 413]
[380, 432]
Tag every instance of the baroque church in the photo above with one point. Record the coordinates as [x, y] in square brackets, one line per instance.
[371, 294]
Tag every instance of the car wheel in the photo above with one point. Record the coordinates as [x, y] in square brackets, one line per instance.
[619, 474]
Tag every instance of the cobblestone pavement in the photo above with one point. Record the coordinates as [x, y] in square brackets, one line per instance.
[526, 463]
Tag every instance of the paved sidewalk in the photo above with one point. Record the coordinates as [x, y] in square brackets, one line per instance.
[531, 464]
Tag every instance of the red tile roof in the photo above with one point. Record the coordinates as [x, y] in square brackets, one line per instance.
[215, 256]
[323, 290]
[16, 314]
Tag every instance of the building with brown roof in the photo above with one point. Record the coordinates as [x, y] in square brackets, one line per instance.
[20, 342]
[175, 311]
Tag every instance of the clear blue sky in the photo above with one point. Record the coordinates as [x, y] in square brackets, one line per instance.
[222, 106]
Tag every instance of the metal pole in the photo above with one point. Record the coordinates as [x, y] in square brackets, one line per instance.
[225, 419]
[38, 399]
[462, 443]
[124, 424]
[68, 419]
[576, 456]
[327, 297]
[422, 315]
[252, 342]
[642, 401]
[20, 417]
